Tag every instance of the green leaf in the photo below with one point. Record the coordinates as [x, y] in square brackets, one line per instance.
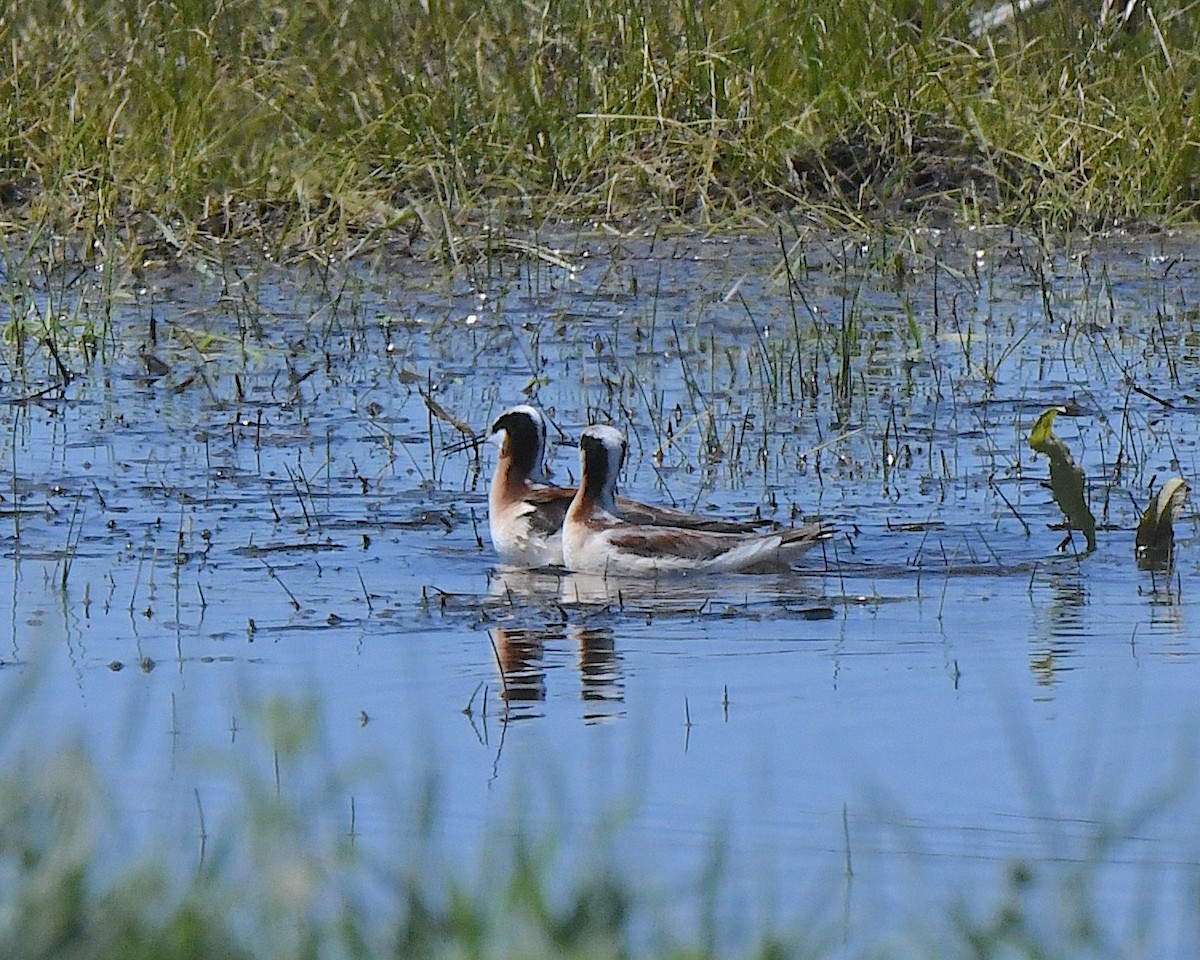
[1043, 431]
[1066, 477]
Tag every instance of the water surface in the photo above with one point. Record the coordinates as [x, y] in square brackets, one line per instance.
[242, 499]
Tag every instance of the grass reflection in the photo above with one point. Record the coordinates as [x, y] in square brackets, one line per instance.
[270, 887]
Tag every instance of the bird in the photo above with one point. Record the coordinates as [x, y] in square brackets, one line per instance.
[597, 539]
[526, 512]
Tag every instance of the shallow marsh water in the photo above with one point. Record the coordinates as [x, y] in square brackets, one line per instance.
[248, 528]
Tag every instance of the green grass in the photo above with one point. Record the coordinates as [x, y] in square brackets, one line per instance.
[326, 124]
[272, 886]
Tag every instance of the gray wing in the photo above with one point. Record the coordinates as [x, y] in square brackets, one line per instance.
[550, 508]
[645, 514]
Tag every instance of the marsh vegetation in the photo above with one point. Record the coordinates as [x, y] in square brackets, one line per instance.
[156, 127]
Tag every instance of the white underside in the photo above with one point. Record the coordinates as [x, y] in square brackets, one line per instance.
[517, 545]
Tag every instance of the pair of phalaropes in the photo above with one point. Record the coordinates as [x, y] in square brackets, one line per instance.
[526, 514]
[596, 538]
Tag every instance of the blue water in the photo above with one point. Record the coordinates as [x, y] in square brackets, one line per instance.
[269, 539]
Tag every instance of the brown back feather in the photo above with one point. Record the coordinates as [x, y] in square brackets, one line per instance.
[649, 542]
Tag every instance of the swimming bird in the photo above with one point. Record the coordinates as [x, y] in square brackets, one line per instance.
[526, 513]
[597, 539]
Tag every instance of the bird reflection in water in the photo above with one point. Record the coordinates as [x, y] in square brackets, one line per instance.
[660, 596]
[519, 655]
[601, 686]
[526, 654]
[537, 586]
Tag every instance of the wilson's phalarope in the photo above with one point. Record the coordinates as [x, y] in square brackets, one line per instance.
[596, 539]
[525, 513]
